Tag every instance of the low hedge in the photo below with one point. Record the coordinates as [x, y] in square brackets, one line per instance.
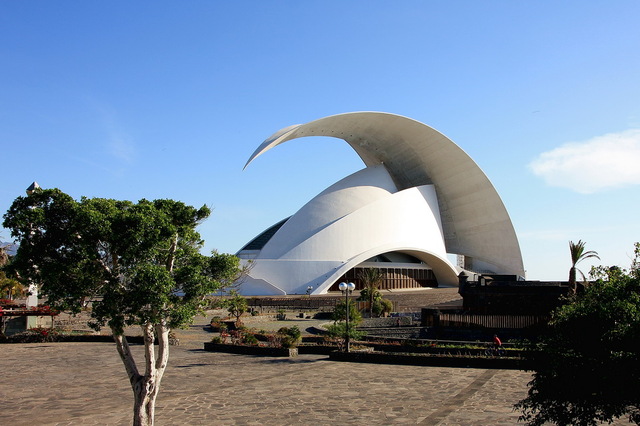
[506, 363]
[250, 350]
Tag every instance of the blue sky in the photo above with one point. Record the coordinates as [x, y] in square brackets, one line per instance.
[161, 99]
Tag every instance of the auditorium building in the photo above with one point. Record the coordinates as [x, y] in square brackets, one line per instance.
[419, 201]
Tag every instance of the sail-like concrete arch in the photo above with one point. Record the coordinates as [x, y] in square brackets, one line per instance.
[474, 221]
[355, 219]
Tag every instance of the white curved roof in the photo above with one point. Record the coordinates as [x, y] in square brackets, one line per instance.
[474, 220]
[357, 218]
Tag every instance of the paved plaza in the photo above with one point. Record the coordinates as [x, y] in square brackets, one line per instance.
[85, 383]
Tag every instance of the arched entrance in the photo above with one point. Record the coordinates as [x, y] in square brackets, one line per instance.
[401, 271]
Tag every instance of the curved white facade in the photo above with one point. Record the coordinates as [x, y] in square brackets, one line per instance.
[419, 194]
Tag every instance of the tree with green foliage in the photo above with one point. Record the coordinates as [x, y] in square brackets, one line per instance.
[10, 287]
[587, 366]
[338, 331]
[371, 278]
[236, 305]
[340, 313]
[141, 259]
[578, 254]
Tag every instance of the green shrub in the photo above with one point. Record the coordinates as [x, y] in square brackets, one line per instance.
[37, 335]
[337, 332]
[290, 337]
[249, 339]
[339, 313]
[382, 307]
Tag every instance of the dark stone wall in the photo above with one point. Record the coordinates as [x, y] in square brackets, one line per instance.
[512, 297]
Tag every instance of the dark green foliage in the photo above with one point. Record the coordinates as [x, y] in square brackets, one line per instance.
[337, 333]
[339, 313]
[236, 305]
[290, 337]
[382, 306]
[587, 367]
[143, 259]
[371, 279]
[249, 339]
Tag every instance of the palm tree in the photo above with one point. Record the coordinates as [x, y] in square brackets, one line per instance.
[578, 254]
[11, 288]
[371, 278]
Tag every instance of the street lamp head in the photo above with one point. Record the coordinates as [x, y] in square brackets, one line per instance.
[343, 286]
[351, 286]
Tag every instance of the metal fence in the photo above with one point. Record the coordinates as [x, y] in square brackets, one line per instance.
[316, 303]
[491, 321]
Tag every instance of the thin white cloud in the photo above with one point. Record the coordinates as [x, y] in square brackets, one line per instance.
[118, 143]
[600, 163]
[567, 234]
[121, 146]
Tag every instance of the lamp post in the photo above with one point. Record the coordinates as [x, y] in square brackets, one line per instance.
[346, 289]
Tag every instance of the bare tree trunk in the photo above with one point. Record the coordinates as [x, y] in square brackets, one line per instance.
[573, 286]
[145, 387]
[171, 257]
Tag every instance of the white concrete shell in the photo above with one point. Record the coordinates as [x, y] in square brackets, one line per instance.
[419, 194]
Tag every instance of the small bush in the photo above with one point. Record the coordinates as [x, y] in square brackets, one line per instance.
[337, 332]
[250, 339]
[382, 307]
[217, 324]
[290, 336]
[37, 335]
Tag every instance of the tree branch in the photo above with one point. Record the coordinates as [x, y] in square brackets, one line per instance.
[171, 257]
[126, 356]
